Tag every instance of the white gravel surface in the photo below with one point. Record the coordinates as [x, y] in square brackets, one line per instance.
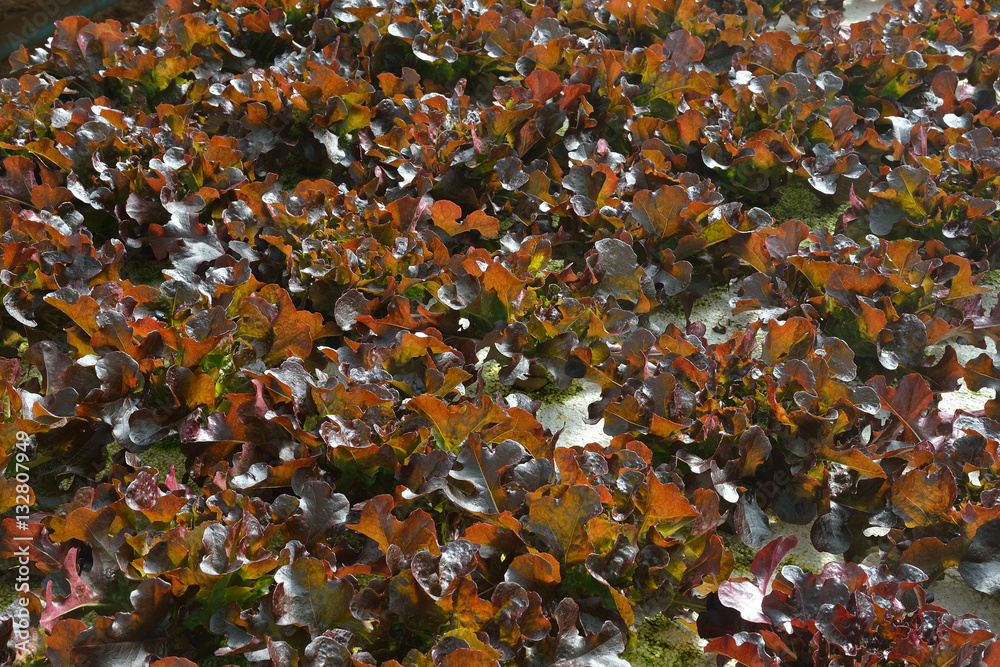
[570, 415]
[860, 10]
[964, 398]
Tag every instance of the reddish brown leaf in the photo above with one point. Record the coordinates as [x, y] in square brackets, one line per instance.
[467, 657]
[59, 643]
[534, 570]
[454, 423]
[543, 84]
[924, 498]
[308, 596]
[663, 507]
[415, 533]
[561, 521]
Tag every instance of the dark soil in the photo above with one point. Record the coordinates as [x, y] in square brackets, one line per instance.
[128, 11]
[16, 14]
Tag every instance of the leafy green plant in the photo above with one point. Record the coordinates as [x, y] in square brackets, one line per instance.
[282, 240]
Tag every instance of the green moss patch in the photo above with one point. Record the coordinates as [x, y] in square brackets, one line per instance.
[800, 202]
[552, 394]
[146, 270]
[164, 454]
[660, 644]
[548, 393]
[991, 279]
[161, 456]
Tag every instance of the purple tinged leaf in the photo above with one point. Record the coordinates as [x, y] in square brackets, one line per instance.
[883, 217]
[746, 596]
[766, 562]
[307, 596]
[902, 343]
[980, 568]
[571, 648]
[752, 525]
[438, 575]
[321, 510]
[325, 651]
[510, 172]
[17, 303]
[830, 532]
[460, 294]
[474, 483]
[350, 306]
[130, 638]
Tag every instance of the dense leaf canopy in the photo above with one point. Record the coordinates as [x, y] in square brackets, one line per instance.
[287, 237]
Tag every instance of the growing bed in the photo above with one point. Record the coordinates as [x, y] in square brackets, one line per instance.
[442, 333]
